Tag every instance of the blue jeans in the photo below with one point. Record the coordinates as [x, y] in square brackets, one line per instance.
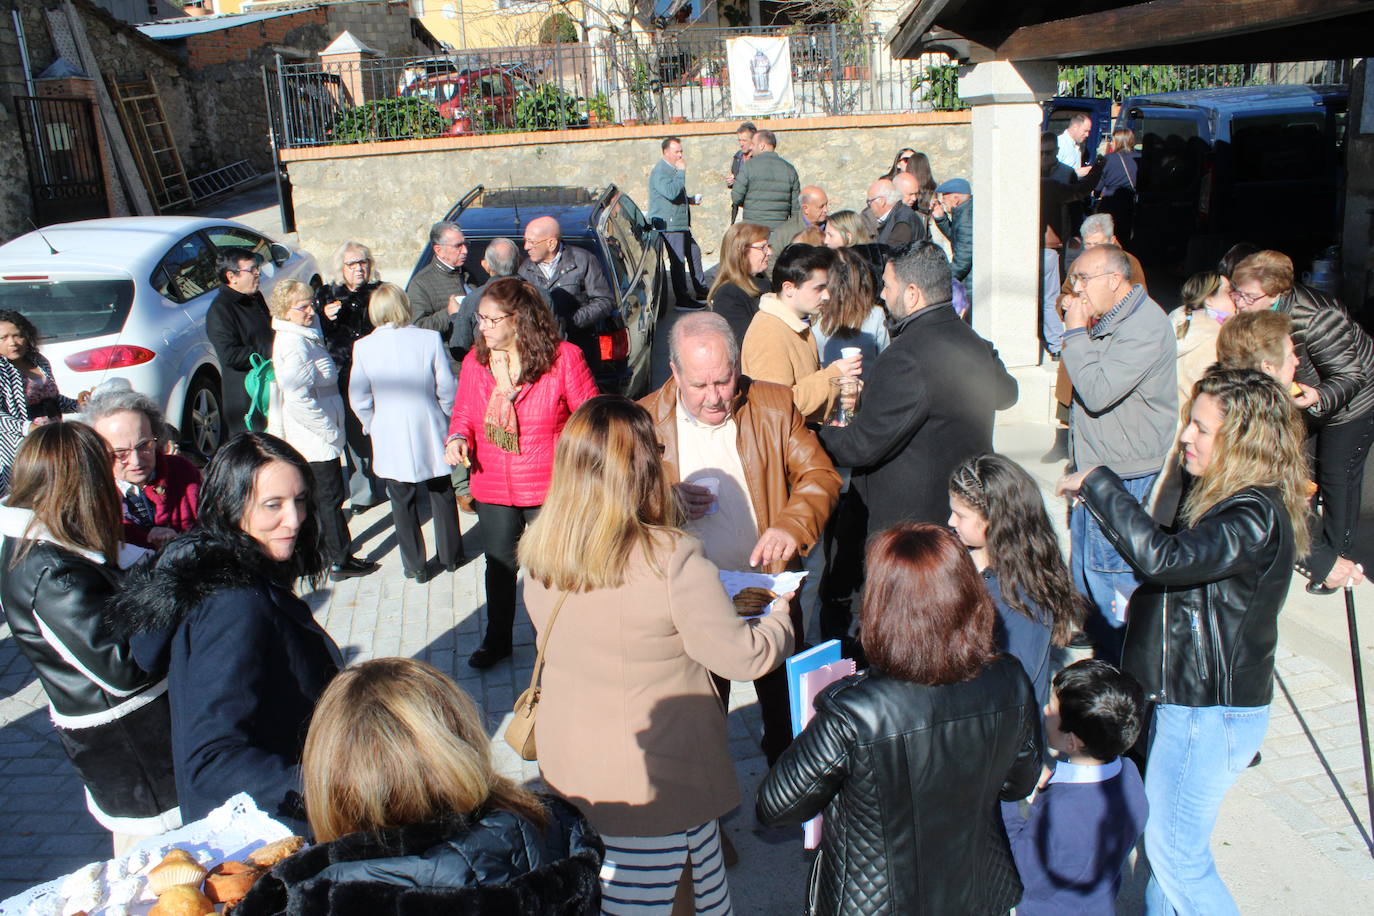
[1051, 325]
[1196, 753]
[1100, 573]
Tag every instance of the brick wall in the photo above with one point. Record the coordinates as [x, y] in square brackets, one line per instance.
[240, 43]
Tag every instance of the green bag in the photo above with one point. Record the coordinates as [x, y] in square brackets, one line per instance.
[258, 383]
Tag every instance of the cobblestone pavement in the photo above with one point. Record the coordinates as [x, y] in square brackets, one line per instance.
[1288, 840]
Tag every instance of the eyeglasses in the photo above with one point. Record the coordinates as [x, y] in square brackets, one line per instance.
[872, 199]
[358, 263]
[529, 243]
[490, 321]
[122, 455]
[1246, 297]
[761, 246]
[306, 306]
[255, 271]
[1075, 279]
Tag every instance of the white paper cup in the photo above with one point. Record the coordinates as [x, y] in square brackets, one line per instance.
[850, 352]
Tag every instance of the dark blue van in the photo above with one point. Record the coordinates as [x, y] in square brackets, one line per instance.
[1262, 164]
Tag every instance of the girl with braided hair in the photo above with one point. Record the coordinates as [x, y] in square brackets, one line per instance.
[997, 511]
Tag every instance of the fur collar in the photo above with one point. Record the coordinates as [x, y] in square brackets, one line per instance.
[567, 886]
[157, 593]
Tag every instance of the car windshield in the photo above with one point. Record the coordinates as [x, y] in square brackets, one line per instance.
[70, 309]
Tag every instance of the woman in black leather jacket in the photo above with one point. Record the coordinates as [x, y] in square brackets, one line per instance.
[1336, 378]
[910, 828]
[59, 564]
[1202, 629]
[412, 818]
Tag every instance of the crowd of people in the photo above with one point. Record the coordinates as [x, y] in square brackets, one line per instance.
[808, 421]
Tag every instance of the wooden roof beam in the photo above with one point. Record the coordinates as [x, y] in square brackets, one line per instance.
[1165, 22]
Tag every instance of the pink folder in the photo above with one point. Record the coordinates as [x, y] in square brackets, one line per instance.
[812, 682]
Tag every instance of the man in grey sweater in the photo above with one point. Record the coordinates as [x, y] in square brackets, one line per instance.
[767, 186]
[1119, 351]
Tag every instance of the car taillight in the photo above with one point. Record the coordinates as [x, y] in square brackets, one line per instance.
[615, 345]
[120, 356]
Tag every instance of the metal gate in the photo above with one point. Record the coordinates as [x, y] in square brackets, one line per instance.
[63, 151]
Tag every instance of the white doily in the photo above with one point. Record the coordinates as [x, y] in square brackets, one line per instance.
[781, 584]
[231, 831]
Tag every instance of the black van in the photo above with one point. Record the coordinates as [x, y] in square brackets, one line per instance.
[1262, 164]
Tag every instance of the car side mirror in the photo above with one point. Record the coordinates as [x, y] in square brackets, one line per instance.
[280, 254]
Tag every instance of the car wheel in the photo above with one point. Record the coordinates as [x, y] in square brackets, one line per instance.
[203, 424]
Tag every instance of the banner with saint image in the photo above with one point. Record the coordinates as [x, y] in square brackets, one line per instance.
[760, 75]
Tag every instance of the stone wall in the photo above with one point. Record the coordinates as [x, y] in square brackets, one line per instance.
[388, 194]
[15, 200]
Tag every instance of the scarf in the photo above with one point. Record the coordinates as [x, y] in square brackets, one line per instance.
[501, 426]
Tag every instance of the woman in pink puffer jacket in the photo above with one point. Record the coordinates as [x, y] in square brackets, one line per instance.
[518, 386]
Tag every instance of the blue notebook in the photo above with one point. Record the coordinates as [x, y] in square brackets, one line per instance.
[826, 653]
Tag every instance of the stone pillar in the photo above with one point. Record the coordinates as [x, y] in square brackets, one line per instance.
[1006, 192]
[345, 57]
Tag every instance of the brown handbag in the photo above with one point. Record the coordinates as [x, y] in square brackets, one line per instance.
[520, 732]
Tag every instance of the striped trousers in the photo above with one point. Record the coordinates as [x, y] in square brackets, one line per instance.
[640, 874]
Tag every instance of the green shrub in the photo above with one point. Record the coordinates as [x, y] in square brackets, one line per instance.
[390, 119]
[558, 28]
[545, 107]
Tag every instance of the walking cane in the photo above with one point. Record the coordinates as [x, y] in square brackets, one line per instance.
[1359, 705]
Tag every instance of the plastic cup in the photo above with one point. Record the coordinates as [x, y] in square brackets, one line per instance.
[712, 484]
[850, 352]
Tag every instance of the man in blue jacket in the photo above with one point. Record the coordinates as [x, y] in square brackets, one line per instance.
[953, 213]
[670, 213]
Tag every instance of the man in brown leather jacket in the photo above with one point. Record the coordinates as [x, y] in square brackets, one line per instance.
[754, 482]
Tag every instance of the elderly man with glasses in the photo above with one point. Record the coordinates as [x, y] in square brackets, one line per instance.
[436, 291]
[158, 490]
[238, 326]
[573, 280]
[1124, 416]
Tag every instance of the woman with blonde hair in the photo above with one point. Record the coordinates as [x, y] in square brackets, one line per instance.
[1206, 304]
[342, 308]
[741, 279]
[397, 767]
[847, 229]
[1202, 628]
[633, 620]
[307, 412]
[852, 317]
[1262, 341]
[1336, 394]
[402, 390]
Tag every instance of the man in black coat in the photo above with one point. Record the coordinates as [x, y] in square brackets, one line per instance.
[894, 223]
[928, 402]
[574, 280]
[238, 325]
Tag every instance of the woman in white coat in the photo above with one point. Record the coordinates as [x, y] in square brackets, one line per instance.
[307, 411]
[402, 391]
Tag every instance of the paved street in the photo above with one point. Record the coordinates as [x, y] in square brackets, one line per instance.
[1287, 842]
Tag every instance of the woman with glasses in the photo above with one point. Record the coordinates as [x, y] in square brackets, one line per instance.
[741, 279]
[308, 413]
[519, 384]
[159, 492]
[238, 326]
[1335, 379]
[401, 388]
[341, 305]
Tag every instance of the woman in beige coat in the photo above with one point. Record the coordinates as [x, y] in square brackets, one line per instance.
[630, 729]
[1206, 304]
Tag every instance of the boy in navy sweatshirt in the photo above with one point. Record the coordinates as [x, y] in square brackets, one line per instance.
[1088, 813]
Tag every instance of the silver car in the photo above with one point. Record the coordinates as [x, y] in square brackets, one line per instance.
[127, 297]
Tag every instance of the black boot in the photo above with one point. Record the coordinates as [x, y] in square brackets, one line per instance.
[1060, 450]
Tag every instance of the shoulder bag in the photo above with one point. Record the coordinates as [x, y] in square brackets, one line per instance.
[520, 732]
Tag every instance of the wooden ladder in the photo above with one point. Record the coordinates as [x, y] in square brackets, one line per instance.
[155, 149]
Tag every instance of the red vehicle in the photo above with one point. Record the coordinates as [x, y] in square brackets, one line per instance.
[456, 93]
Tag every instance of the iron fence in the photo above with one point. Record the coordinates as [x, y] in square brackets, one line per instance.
[673, 77]
[663, 78]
